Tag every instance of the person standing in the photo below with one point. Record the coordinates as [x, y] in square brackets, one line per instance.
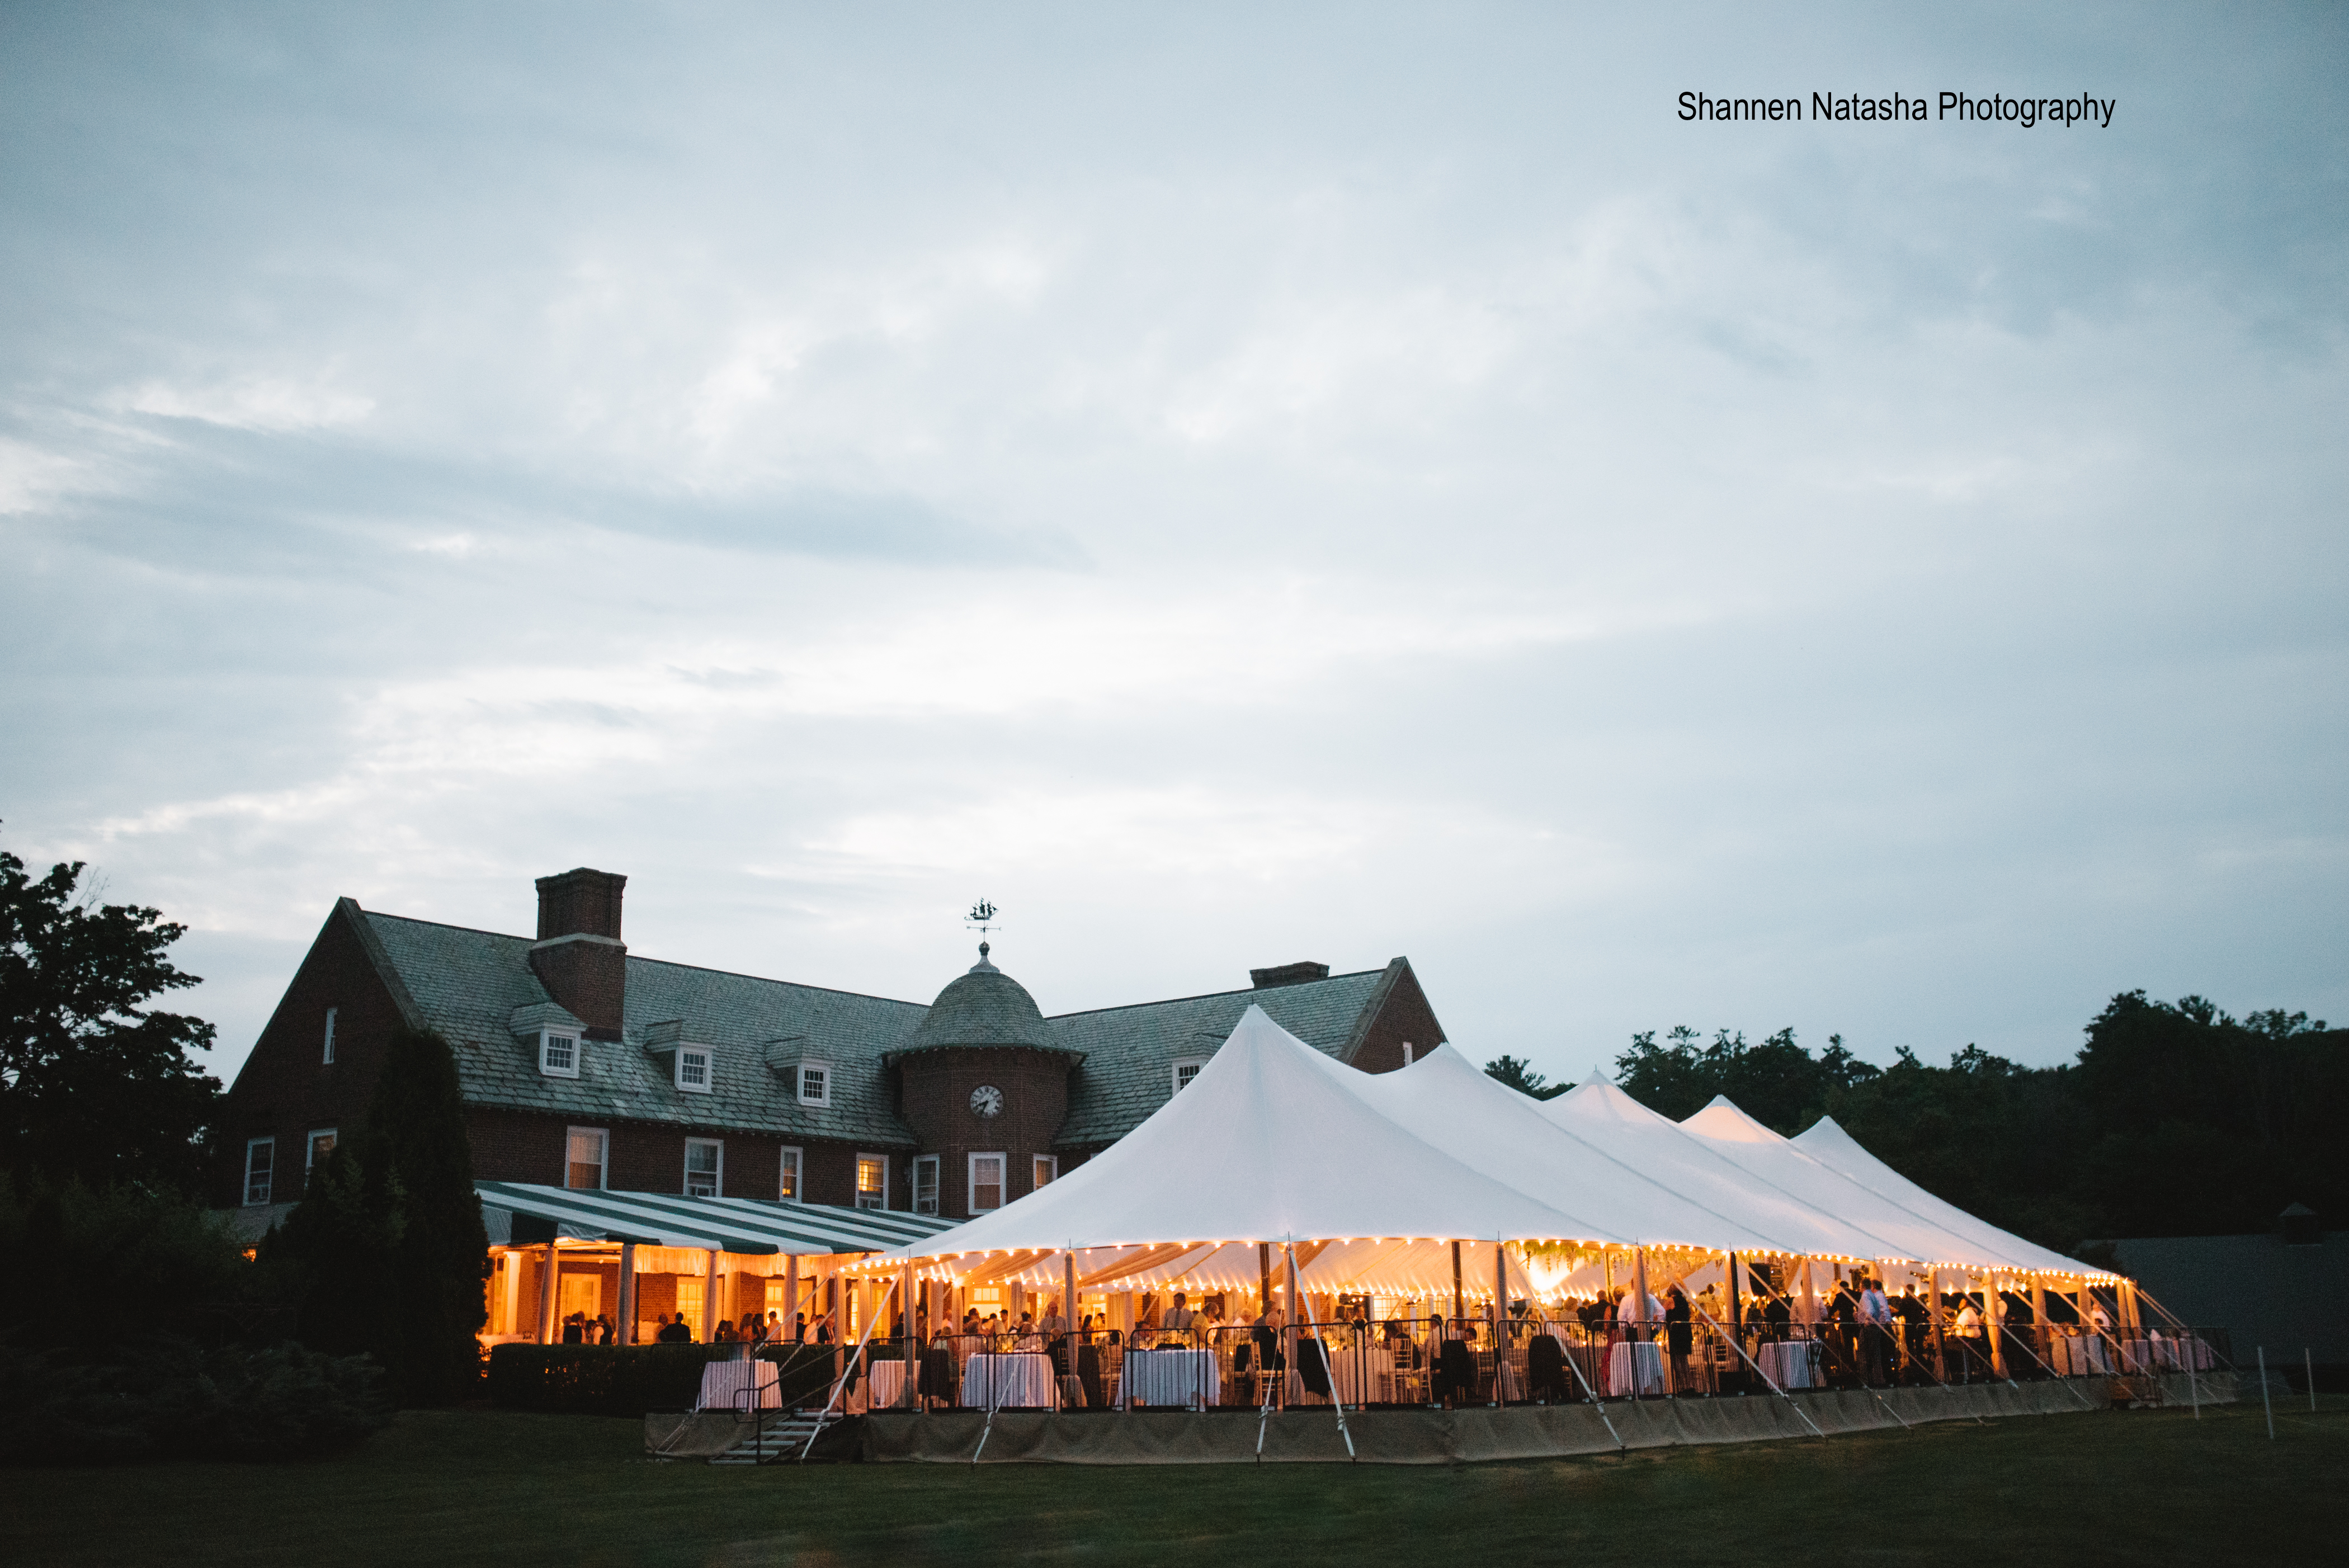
[1679, 1334]
[1875, 1330]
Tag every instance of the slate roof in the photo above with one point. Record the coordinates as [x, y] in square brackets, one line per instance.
[1130, 1052]
[468, 984]
[474, 985]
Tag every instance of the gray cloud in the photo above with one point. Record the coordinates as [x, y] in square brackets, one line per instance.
[1232, 487]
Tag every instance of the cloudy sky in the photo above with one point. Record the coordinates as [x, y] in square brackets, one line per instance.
[1231, 485]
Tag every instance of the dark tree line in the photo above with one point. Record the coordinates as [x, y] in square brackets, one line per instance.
[2174, 1120]
[136, 1321]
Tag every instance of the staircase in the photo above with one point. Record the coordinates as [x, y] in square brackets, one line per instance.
[777, 1438]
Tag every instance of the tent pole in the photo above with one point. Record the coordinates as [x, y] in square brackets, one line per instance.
[1459, 1306]
[1941, 1348]
[1263, 1278]
[1500, 1321]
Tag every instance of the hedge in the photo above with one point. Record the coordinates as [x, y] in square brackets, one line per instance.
[630, 1379]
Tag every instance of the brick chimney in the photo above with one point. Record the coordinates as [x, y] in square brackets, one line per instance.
[1289, 975]
[579, 956]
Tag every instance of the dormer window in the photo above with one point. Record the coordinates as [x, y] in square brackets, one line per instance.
[558, 1052]
[815, 1083]
[1185, 1070]
[693, 1068]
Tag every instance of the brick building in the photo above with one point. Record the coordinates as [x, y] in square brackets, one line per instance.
[584, 1066]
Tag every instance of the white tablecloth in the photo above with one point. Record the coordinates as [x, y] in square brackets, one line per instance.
[2078, 1355]
[728, 1385]
[988, 1381]
[1173, 1377]
[1636, 1365]
[883, 1382]
[1362, 1374]
[2173, 1355]
[1786, 1362]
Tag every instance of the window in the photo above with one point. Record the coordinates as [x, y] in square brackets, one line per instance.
[872, 1180]
[1048, 1166]
[1185, 1070]
[705, 1160]
[693, 1069]
[586, 1158]
[815, 1083]
[789, 1190]
[986, 1182]
[321, 1143]
[926, 1184]
[558, 1053]
[329, 1058]
[1406, 1052]
[260, 1154]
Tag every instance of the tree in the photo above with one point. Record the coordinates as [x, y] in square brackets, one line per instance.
[1520, 1076]
[390, 1232]
[94, 1085]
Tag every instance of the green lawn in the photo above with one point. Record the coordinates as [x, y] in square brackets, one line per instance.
[466, 1487]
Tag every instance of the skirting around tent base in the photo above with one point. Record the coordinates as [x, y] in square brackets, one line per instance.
[1458, 1437]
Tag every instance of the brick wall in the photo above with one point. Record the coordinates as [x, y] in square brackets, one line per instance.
[285, 1087]
[1404, 1015]
[936, 1089]
[650, 1157]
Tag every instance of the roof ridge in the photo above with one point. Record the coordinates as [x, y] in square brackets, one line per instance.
[1210, 996]
[640, 958]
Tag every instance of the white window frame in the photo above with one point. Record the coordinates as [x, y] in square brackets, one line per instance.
[1194, 1063]
[310, 1151]
[1038, 1162]
[547, 1038]
[702, 1057]
[328, 1058]
[269, 1177]
[717, 1171]
[799, 1083]
[791, 1176]
[1002, 1181]
[603, 1160]
[925, 1165]
[1406, 1052]
[857, 1197]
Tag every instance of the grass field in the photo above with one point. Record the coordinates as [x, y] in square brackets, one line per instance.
[480, 1487]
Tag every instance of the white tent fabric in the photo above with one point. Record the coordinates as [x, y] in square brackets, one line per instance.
[1264, 1145]
[1830, 1145]
[1883, 1228]
[1450, 1102]
[1602, 1115]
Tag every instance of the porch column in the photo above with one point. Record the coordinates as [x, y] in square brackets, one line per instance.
[549, 1278]
[709, 1303]
[626, 1330]
[791, 1297]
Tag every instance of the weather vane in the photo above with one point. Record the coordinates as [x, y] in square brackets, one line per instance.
[981, 918]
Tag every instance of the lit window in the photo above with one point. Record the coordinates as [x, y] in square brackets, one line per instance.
[926, 1184]
[260, 1155]
[329, 1058]
[558, 1055]
[986, 1182]
[815, 1083]
[584, 1162]
[872, 1180]
[321, 1143]
[704, 1159]
[788, 1190]
[1185, 1070]
[1048, 1166]
[693, 1070]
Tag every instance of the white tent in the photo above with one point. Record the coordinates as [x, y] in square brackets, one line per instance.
[1603, 1116]
[1830, 1145]
[1266, 1145]
[1450, 1103]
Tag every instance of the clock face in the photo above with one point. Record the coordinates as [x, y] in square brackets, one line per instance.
[986, 1099]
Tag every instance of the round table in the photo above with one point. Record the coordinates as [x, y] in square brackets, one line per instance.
[884, 1384]
[1636, 1365]
[1189, 1379]
[1786, 1362]
[990, 1382]
[740, 1386]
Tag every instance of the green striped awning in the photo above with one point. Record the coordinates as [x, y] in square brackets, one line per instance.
[666, 1220]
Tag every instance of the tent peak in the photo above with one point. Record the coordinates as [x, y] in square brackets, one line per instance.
[1723, 1120]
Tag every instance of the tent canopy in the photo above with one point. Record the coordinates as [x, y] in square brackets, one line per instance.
[524, 1212]
[1266, 1144]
